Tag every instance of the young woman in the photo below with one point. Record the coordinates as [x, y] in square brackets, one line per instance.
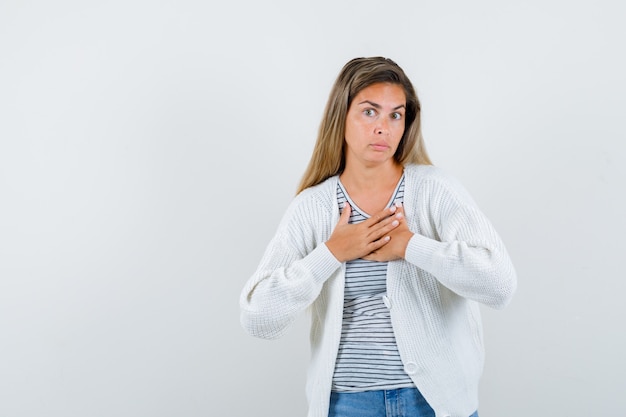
[389, 254]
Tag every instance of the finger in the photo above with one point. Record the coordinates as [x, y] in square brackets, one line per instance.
[381, 215]
[345, 214]
[377, 244]
[385, 226]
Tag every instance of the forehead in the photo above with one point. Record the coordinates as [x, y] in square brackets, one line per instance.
[382, 93]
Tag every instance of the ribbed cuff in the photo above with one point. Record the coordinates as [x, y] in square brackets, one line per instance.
[421, 251]
[321, 262]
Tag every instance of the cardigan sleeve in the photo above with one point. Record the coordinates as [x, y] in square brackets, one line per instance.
[289, 277]
[468, 256]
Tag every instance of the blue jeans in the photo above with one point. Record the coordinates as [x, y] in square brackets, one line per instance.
[403, 402]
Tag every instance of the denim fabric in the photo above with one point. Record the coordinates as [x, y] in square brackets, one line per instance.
[403, 402]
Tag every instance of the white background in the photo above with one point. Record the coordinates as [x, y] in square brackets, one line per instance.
[149, 148]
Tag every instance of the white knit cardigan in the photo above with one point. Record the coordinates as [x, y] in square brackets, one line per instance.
[454, 260]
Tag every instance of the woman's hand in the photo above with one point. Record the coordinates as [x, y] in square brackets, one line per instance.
[396, 246]
[362, 240]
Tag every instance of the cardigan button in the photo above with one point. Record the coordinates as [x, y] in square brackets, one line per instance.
[410, 368]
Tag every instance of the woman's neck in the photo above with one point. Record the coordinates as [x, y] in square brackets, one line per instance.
[371, 179]
[371, 189]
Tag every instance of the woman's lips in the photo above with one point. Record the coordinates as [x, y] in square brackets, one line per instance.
[380, 146]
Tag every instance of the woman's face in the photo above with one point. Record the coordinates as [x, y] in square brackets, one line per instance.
[375, 124]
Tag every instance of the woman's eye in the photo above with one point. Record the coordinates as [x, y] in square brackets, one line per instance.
[369, 112]
[396, 116]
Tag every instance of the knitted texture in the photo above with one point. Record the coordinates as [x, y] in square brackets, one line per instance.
[454, 260]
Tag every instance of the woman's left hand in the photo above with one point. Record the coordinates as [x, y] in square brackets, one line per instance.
[396, 247]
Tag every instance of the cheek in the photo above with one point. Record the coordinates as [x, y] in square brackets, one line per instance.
[398, 132]
[354, 130]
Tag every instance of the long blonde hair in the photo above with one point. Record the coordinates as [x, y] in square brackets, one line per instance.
[328, 156]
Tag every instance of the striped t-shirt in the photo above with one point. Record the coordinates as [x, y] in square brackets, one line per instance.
[368, 357]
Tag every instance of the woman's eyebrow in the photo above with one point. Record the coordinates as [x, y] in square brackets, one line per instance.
[378, 106]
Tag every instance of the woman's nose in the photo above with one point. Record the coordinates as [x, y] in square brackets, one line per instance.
[381, 127]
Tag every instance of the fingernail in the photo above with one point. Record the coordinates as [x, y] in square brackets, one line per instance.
[398, 204]
[399, 216]
[393, 209]
[395, 223]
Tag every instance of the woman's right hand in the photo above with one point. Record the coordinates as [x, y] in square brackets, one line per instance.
[353, 241]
